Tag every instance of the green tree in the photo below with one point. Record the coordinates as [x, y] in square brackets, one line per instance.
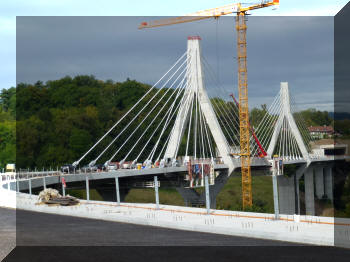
[7, 143]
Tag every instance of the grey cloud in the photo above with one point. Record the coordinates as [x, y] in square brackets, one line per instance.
[294, 49]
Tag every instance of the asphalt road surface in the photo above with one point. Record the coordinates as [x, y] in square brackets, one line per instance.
[7, 231]
[56, 230]
[45, 237]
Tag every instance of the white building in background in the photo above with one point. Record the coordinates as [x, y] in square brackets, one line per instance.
[320, 132]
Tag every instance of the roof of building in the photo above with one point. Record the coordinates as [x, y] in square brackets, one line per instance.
[334, 146]
[320, 129]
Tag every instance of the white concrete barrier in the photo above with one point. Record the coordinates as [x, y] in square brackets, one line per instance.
[292, 228]
[7, 196]
[309, 230]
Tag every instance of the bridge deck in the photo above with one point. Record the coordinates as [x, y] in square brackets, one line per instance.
[53, 177]
[297, 229]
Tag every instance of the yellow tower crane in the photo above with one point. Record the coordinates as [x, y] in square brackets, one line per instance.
[241, 29]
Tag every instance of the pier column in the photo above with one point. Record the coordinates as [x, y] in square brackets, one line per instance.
[286, 195]
[309, 192]
[30, 187]
[328, 179]
[297, 196]
[207, 198]
[319, 182]
[87, 188]
[63, 187]
[110, 193]
[212, 198]
[275, 196]
[156, 191]
[215, 189]
[117, 190]
[190, 196]
[299, 173]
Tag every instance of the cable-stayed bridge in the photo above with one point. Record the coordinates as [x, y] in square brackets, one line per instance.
[184, 133]
[184, 130]
[179, 121]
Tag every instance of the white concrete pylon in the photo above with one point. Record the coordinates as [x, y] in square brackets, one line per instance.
[196, 87]
[287, 114]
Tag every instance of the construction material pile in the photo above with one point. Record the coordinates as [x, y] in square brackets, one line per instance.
[51, 196]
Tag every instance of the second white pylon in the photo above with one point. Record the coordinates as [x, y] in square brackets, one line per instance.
[285, 117]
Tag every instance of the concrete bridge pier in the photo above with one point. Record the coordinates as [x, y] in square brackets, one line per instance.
[328, 180]
[319, 182]
[318, 178]
[289, 192]
[109, 194]
[215, 189]
[191, 197]
[286, 194]
[299, 173]
[309, 192]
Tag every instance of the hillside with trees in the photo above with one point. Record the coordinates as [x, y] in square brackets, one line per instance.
[59, 120]
[7, 127]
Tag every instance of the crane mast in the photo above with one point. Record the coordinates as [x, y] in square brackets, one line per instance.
[241, 28]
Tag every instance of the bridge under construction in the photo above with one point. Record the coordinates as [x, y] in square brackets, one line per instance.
[179, 132]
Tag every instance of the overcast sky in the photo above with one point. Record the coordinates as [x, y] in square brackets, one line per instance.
[298, 50]
[9, 9]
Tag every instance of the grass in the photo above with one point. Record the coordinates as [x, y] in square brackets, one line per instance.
[81, 194]
[167, 196]
[230, 197]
